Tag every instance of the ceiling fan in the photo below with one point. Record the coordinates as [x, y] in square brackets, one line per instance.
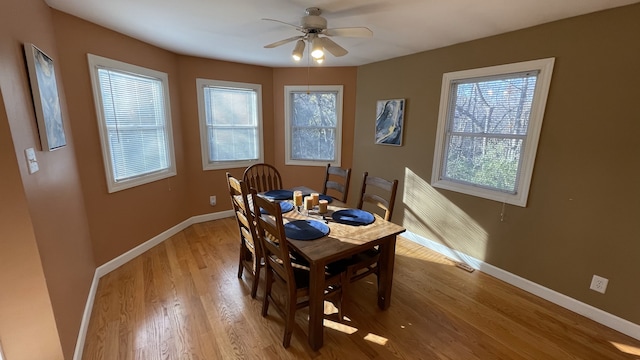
[312, 27]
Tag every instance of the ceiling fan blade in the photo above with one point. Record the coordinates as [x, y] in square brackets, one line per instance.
[286, 23]
[335, 49]
[282, 42]
[349, 32]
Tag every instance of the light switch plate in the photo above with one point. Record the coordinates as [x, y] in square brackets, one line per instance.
[32, 162]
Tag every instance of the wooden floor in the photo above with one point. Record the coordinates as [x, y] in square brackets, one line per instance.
[183, 300]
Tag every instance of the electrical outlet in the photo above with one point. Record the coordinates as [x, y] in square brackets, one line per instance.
[599, 284]
[212, 200]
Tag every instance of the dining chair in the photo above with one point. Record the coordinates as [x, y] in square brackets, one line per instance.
[381, 193]
[262, 177]
[280, 267]
[251, 257]
[336, 181]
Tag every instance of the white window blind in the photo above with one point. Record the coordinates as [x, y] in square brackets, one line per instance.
[132, 105]
[135, 121]
[488, 129]
[230, 123]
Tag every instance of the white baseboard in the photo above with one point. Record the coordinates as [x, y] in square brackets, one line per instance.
[619, 324]
[115, 263]
[84, 324]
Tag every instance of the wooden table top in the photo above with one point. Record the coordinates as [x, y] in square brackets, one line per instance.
[343, 239]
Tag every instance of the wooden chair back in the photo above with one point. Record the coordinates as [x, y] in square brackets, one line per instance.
[274, 240]
[250, 248]
[379, 192]
[262, 177]
[336, 182]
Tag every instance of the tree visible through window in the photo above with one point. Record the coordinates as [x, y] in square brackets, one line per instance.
[313, 124]
[487, 130]
[230, 123]
[490, 129]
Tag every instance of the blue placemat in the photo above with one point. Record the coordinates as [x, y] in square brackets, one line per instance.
[306, 229]
[285, 206]
[279, 194]
[326, 197]
[353, 217]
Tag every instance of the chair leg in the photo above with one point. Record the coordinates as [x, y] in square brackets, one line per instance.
[256, 280]
[289, 321]
[344, 287]
[267, 291]
[241, 260]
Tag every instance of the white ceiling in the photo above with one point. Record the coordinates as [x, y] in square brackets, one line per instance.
[233, 30]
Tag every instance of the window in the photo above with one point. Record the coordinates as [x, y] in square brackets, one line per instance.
[488, 129]
[230, 123]
[313, 125]
[134, 119]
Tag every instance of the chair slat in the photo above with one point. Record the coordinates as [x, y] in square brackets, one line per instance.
[337, 179]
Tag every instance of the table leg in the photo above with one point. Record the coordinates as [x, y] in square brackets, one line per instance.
[316, 305]
[385, 277]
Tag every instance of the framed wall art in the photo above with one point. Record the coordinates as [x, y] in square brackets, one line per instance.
[46, 102]
[389, 122]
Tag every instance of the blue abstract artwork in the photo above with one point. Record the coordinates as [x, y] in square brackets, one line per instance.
[389, 122]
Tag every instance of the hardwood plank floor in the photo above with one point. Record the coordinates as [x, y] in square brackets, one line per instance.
[183, 300]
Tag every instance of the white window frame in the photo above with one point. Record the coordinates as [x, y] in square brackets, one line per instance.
[530, 142]
[207, 164]
[97, 62]
[288, 89]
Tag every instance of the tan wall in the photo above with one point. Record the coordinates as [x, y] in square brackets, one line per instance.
[583, 207]
[53, 198]
[312, 176]
[203, 184]
[122, 220]
[25, 306]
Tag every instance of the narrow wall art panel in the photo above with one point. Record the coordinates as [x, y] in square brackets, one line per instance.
[389, 122]
[44, 90]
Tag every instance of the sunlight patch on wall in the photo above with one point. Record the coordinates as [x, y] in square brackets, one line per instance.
[431, 215]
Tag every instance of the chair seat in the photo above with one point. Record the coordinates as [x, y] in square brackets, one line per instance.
[367, 254]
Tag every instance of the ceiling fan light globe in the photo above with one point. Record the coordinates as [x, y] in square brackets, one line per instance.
[317, 51]
[319, 60]
[298, 50]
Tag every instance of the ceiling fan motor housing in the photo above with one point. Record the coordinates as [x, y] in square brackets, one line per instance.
[313, 21]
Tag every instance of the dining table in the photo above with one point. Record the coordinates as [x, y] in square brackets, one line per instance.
[342, 242]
